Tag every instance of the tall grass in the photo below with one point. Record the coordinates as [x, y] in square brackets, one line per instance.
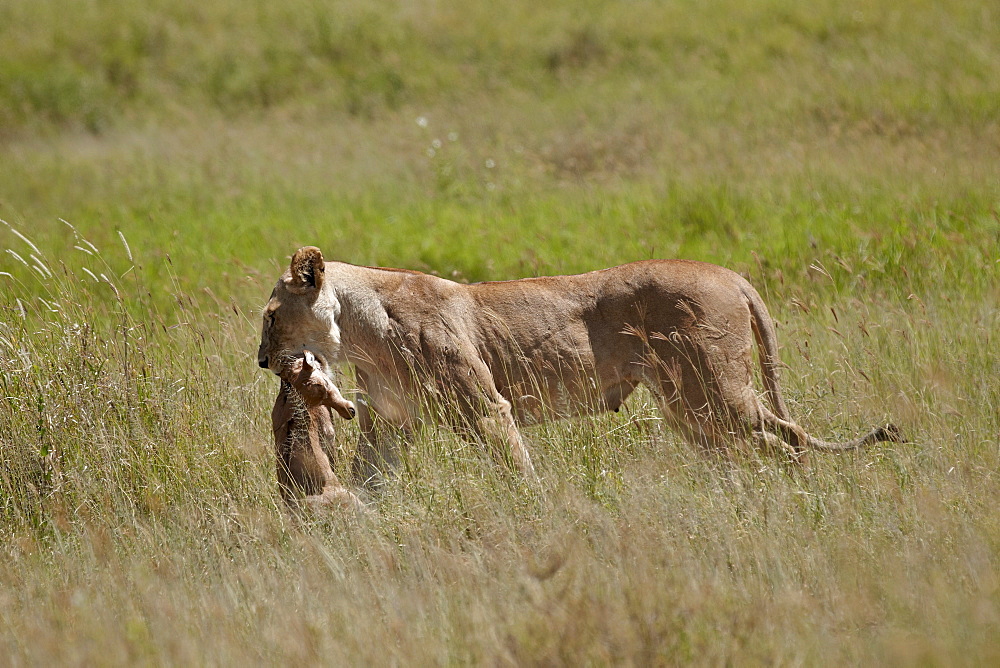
[141, 519]
[843, 157]
[95, 394]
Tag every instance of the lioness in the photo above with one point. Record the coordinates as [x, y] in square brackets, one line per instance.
[508, 351]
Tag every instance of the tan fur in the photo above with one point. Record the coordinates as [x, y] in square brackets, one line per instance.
[505, 352]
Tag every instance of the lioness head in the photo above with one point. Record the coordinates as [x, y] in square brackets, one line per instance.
[300, 315]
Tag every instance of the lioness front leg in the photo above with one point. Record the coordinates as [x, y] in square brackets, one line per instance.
[488, 414]
[496, 428]
[480, 407]
[377, 455]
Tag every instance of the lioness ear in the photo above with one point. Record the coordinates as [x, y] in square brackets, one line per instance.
[307, 268]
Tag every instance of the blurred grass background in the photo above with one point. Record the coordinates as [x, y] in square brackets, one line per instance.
[160, 161]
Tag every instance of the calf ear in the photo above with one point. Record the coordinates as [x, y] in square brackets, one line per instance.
[307, 269]
[309, 362]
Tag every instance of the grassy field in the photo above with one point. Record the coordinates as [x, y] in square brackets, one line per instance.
[159, 163]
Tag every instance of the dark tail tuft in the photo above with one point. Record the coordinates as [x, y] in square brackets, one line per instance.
[890, 433]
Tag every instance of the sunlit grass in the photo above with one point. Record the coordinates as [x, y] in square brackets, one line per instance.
[141, 512]
[844, 158]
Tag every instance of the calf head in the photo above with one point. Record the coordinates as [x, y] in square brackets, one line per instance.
[306, 375]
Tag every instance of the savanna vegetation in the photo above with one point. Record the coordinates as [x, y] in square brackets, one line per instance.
[160, 161]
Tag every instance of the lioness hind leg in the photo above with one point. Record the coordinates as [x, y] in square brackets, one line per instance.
[684, 401]
[770, 443]
[682, 419]
[716, 423]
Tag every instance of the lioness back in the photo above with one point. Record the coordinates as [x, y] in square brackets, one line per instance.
[582, 342]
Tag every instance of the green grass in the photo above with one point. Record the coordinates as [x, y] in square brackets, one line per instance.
[844, 157]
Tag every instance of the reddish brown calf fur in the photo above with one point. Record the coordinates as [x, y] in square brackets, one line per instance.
[314, 386]
[304, 438]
